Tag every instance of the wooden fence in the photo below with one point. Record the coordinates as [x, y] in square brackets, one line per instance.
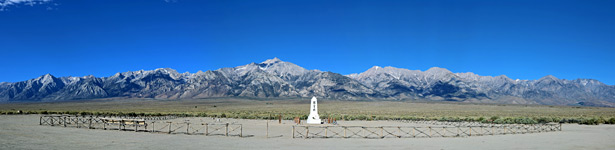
[137, 117]
[208, 129]
[301, 131]
[140, 125]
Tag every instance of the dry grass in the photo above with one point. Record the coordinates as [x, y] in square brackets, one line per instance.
[250, 108]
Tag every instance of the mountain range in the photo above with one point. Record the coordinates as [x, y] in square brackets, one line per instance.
[275, 78]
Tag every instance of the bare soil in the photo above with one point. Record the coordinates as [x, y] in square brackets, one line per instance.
[24, 132]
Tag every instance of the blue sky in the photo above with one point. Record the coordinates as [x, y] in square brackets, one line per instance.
[520, 39]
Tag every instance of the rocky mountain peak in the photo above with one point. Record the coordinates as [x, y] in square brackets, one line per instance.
[503, 77]
[271, 61]
[372, 70]
[549, 77]
[46, 79]
[438, 70]
[281, 68]
[166, 70]
[171, 72]
[388, 70]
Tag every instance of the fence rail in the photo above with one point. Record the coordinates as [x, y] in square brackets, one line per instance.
[419, 132]
[141, 125]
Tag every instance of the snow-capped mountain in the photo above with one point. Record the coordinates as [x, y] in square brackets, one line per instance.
[441, 84]
[277, 78]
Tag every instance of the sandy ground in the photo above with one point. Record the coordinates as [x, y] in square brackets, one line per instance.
[23, 132]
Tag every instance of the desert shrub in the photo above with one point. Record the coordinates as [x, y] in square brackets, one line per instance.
[517, 120]
[592, 121]
[601, 120]
[610, 121]
[572, 120]
[525, 120]
[468, 119]
[480, 119]
[544, 119]
[443, 119]
[564, 120]
[132, 114]
[494, 118]
[503, 121]
[83, 113]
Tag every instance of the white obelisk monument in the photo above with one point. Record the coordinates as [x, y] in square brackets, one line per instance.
[313, 118]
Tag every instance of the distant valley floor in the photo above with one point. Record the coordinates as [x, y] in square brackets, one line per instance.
[299, 107]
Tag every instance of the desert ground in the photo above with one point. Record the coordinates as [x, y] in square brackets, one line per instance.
[24, 132]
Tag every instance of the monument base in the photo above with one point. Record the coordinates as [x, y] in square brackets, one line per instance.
[313, 121]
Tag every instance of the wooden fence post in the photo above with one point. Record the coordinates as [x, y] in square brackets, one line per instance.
[362, 132]
[430, 134]
[293, 132]
[481, 131]
[326, 131]
[458, 131]
[444, 131]
[90, 124]
[226, 129]
[169, 128]
[206, 129]
[505, 129]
